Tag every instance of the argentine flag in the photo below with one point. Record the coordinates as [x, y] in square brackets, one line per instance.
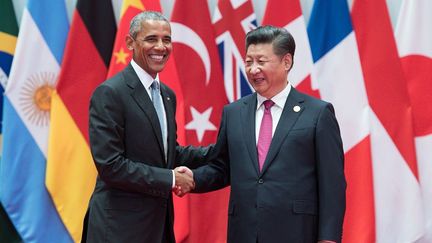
[41, 40]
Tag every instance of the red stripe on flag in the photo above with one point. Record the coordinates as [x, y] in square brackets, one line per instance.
[81, 57]
[306, 87]
[231, 21]
[273, 15]
[359, 223]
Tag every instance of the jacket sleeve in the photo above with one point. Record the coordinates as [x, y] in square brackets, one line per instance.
[194, 156]
[331, 179]
[216, 174]
[107, 136]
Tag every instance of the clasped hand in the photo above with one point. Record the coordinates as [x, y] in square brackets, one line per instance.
[184, 181]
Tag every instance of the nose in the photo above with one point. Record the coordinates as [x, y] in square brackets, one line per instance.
[159, 44]
[254, 69]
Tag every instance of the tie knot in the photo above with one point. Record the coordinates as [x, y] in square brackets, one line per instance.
[268, 104]
[155, 85]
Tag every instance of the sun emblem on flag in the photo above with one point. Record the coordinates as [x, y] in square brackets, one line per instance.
[35, 98]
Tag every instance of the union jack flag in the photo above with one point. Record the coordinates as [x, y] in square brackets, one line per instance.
[232, 19]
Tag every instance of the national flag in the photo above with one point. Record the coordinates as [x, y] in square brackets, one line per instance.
[414, 42]
[199, 70]
[33, 76]
[71, 174]
[288, 14]
[231, 21]
[397, 196]
[8, 39]
[337, 72]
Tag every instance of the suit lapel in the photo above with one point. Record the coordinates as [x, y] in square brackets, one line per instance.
[286, 122]
[248, 114]
[143, 100]
[171, 126]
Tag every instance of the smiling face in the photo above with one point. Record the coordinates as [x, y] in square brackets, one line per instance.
[267, 72]
[151, 46]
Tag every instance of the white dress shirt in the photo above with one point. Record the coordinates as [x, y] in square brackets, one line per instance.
[276, 109]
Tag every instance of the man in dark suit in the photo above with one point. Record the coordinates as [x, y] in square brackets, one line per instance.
[133, 144]
[281, 152]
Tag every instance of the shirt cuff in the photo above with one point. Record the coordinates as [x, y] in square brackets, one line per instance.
[173, 179]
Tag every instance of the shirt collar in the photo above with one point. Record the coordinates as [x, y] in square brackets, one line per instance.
[278, 99]
[143, 76]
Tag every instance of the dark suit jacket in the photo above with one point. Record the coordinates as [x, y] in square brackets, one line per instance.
[299, 197]
[132, 201]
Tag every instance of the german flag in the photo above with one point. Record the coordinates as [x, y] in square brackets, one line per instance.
[71, 174]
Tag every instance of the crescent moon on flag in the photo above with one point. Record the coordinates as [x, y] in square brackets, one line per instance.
[185, 35]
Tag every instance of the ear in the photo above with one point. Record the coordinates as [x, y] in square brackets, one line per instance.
[288, 61]
[129, 42]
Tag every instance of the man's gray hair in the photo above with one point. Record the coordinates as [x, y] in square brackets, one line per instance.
[135, 24]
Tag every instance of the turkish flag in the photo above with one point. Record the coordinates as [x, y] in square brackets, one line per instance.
[197, 62]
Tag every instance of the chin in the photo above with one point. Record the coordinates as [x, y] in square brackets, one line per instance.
[159, 68]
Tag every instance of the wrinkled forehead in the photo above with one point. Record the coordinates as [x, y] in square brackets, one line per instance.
[155, 27]
[260, 49]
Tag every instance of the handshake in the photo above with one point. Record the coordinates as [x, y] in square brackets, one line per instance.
[184, 181]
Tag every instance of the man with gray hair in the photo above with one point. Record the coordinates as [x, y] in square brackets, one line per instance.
[281, 152]
[133, 143]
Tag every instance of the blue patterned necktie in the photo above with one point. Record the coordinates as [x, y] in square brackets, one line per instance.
[157, 103]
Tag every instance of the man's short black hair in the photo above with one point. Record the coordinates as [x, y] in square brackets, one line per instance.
[282, 40]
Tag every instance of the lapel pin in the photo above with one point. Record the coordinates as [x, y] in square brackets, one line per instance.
[296, 108]
[168, 98]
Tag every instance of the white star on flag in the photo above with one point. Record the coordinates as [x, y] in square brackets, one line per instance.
[200, 122]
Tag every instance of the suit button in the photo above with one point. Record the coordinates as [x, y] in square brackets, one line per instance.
[260, 181]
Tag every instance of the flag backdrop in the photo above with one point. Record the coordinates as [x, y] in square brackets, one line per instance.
[71, 174]
[200, 73]
[397, 196]
[380, 86]
[32, 79]
[8, 39]
[231, 21]
[414, 41]
[288, 14]
[333, 42]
